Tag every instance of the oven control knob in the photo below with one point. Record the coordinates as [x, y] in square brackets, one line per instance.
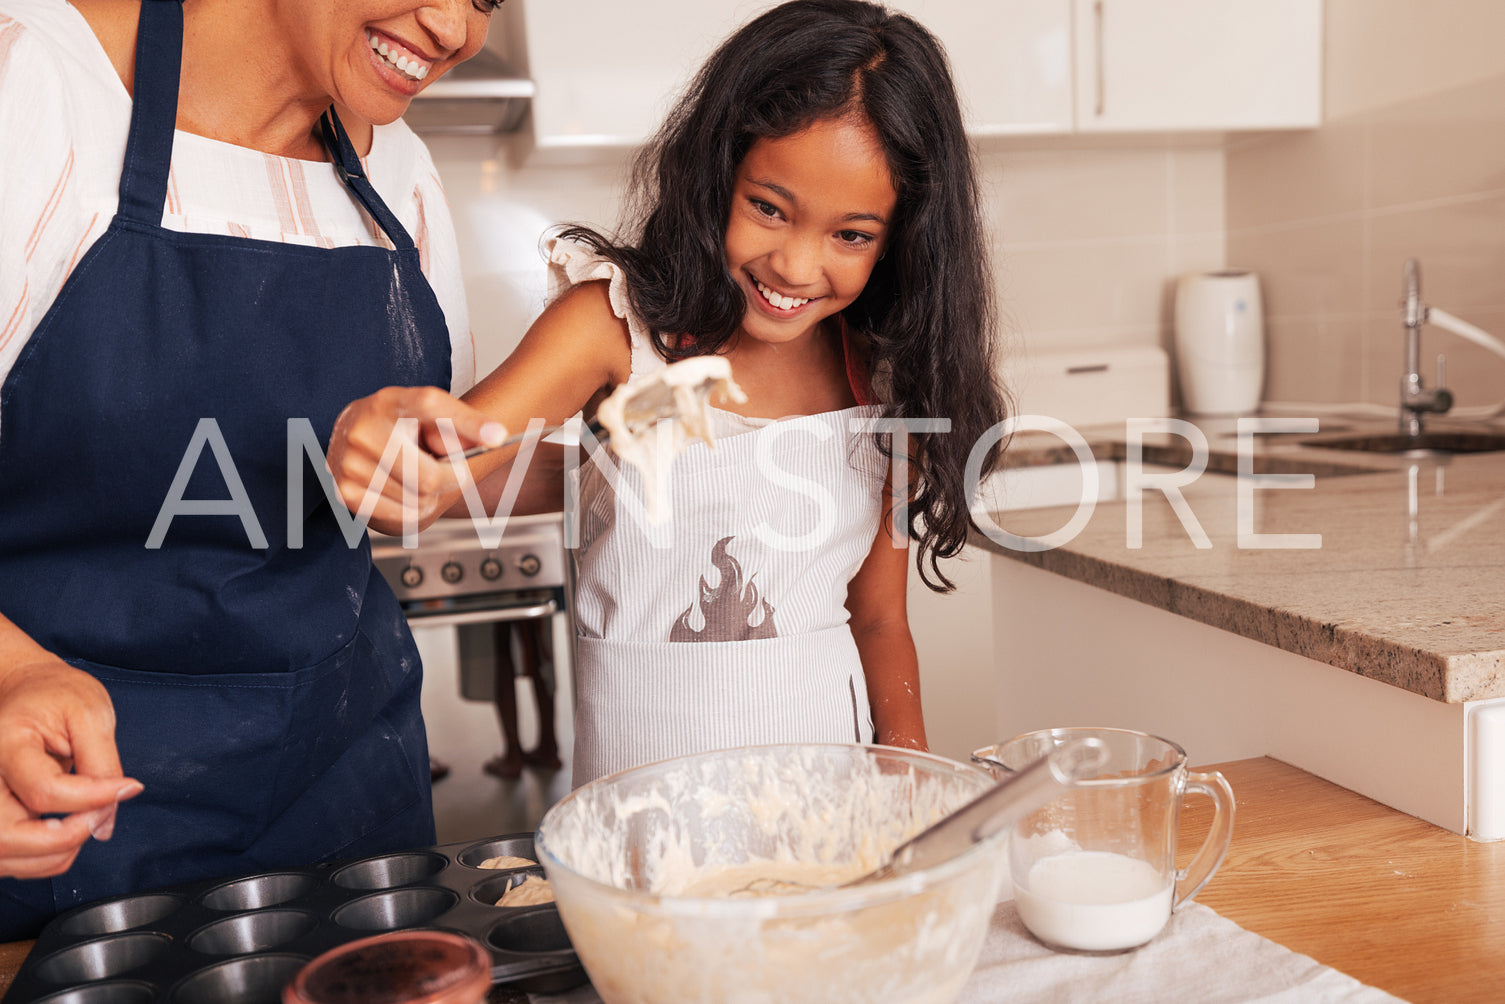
[529, 564]
[412, 576]
[491, 569]
[452, 572]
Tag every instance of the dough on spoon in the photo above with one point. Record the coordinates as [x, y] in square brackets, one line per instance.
[634, 418]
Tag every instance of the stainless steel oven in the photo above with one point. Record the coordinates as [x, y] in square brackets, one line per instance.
[452, 578]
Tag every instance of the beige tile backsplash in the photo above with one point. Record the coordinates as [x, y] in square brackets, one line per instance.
[1088, 242]
[1438, 147]
[1304, 267]
[1328, 218]
[1315, 357]
[1071, 291]
[1382, 52]
[1066, 196]
[1295, 177]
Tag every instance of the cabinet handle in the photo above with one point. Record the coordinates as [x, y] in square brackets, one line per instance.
[1097, 35]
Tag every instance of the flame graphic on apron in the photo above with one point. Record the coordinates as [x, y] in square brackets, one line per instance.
[728, 608]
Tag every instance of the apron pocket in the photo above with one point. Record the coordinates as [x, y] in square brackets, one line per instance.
[643, 701]
[248, 771]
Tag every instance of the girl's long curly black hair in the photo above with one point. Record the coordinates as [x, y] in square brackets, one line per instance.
[927, 312]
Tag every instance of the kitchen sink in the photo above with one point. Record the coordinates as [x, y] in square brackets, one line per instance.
[1433, 442]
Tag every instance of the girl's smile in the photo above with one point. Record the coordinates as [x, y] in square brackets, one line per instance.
[809, 219]
[777, 304]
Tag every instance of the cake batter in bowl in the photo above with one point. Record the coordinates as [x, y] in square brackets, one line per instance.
[656, 871]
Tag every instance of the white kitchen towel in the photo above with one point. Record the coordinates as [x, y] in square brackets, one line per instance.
[1200, 958]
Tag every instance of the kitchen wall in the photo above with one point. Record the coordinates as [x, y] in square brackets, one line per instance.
[1087, 238]
[1410, 162]
[502, 208]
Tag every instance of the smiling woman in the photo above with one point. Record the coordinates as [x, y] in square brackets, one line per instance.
[198, 230]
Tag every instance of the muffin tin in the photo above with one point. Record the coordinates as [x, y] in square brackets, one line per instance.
[238, 941]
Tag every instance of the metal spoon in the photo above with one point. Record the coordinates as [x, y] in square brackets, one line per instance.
[678, 392]
[594, 426]
[994, 810]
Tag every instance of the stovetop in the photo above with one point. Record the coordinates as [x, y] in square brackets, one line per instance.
[452, 559]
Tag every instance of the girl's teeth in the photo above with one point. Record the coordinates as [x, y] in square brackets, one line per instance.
[779, 300]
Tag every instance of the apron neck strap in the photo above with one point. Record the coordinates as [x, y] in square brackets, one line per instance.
[154, 111]
[154, 114]
[348, 165]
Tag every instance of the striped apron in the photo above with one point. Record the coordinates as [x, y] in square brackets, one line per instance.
[726, 625]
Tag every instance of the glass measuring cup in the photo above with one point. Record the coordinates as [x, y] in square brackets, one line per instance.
[1095, 869]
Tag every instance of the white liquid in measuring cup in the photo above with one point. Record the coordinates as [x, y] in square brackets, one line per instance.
[1094, 901]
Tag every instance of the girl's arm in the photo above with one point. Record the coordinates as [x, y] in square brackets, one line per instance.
[576, 347]
[876, 600]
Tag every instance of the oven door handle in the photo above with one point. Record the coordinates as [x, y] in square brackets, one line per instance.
[528, 612]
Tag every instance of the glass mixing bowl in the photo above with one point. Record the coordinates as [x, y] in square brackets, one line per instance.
[623, 851]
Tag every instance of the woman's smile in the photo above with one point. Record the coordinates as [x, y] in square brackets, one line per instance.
[399, 57]
[386, 51]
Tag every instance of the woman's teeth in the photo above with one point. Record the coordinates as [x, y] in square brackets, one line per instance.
[779, 300]
[409, 66]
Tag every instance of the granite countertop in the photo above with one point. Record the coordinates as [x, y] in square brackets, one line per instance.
[1407, 586]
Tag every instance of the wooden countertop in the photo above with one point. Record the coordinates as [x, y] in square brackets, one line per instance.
[11, 957]
[1390, 900]
[1404, 586]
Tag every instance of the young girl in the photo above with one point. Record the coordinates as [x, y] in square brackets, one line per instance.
[809, 212]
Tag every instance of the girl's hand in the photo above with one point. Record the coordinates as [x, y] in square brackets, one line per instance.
[60, 776]
[390, 453]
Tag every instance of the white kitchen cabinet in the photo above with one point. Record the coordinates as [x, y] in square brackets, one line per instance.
[953, 636]
[605, 72]
[1011, 60]
[1168, 65]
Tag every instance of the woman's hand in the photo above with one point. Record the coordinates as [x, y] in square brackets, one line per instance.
[60, 775]
[391, 452]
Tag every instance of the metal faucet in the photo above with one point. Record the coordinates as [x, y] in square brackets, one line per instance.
[1415, 399]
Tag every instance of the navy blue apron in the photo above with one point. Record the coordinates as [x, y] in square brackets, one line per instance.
[267, 696]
